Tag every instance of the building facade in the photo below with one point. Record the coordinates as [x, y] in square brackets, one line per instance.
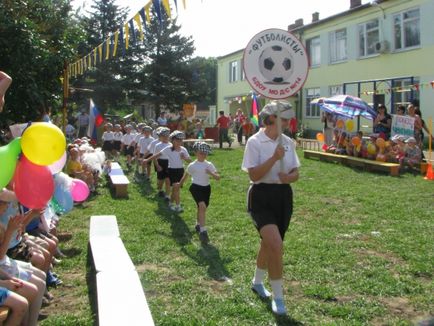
[381, 51]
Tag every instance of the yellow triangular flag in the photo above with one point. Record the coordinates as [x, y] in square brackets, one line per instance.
[127, 36]
[139, 25]
[184, 3]
[84, 64]
[148, 9]
[107, 49]
[166, 6]
[100, 52]
[115, 46]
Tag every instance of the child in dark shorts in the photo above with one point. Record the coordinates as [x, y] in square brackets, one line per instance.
[200, 189]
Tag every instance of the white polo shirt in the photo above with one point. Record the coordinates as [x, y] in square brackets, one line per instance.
[127, 139]
[144, 143]
[117, 136]
[159, 149]
[174, 157]
[108, 136]
[260, 148]
[197, 170]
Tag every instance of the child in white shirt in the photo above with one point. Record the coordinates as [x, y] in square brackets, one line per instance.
[200, 171]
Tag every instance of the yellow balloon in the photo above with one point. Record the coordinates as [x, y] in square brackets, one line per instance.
[349, 124]
[43, 143]
[372, 149]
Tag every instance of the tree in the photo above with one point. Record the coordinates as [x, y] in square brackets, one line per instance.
[36, 36]
[165, 77]
[203, 81]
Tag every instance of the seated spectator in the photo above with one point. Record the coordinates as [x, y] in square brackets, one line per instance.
[342, 144]
[75, 169]
[412, 155]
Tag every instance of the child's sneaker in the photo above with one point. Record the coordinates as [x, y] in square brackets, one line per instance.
[203, 237]
[166, 198]
[197, 228]
[278, 306]
[161, 194]
[179, 209]
[260, 290]
[172, 207]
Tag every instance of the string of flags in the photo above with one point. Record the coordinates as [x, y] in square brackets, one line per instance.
[129, 33]
[400, 89]
[242, 98]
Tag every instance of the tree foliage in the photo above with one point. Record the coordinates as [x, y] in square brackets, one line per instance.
[36, 37]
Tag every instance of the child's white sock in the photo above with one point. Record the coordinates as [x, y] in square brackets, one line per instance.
[277, 287]
[259, 275]
[202, 228]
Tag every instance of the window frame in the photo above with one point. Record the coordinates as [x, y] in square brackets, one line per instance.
[309, 43]
[333, 43]
[403, 38]
[308, 99]
[233, 71]
[365, 38]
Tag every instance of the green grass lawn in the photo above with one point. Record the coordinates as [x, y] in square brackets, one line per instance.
[359, 250]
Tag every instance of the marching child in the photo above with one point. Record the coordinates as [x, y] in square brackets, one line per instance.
[142, 148]
[161, 162]
[128, 145]
[117, 140]
[107, 138]
[200, 171]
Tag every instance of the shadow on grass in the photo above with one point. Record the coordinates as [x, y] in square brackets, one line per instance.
[281, 320]
[91, 285]
[144, 186]
[71, 252]
[208, 255]
[180, 230]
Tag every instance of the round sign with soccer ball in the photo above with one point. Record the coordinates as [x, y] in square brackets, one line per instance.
[276, 63]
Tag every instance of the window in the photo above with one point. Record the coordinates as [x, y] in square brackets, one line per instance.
[242, 75]
[312, 110]
[314, 50]
[406, 27]
[403, 93]
[369, 36]
[233, 71]
[338, 45]
[336, 90]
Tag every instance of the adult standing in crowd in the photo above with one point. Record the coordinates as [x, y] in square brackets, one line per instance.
[5, 82]
[223, 123]
[82, 123]
[383, 121]
[329, 125]
[411, 112]
[162, 120]
[270, 196]
[238, 122]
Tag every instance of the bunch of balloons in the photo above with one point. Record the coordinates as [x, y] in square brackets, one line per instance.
[42, 148]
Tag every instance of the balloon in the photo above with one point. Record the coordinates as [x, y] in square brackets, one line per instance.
[33, 184]
[372, 149]
[62, 197]
[355, 141]
[380, 142]
[325, 147]
[57, 166]
[43, 143]
[340, 124]
[79, 190]
[320, 137]
[349, 124]
[8, 160]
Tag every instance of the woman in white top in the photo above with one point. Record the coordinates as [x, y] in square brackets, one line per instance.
[270, 196]
[200, 171]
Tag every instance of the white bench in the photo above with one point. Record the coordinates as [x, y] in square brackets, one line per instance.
[121, 299]
[118, 180]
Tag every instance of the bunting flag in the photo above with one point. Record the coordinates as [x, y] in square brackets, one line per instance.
[127, 36]
[254, 112]
[115, 42]
[166, 6]
[139, 26]
[133, 32]
[108, 48]
[157, 8]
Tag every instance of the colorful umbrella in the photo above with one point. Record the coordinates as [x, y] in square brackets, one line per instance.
[347, 106]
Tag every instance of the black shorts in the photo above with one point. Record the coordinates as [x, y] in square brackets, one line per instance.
[175, 175]
[270, 204]
[164, 173]
[200, 193]
[107, 145]
[117, 145]
[129, 150]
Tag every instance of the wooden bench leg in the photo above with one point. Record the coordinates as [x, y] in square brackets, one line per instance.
[394, 171]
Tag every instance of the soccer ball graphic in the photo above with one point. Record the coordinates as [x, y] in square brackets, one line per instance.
[275, 64]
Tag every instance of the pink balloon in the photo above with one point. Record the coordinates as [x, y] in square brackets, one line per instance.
[79, 190]
[57, 166]
[33, 184]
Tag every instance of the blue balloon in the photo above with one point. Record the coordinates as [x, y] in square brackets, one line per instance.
[63, 198]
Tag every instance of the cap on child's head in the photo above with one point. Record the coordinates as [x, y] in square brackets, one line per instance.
[275, 107]
[202, 147]
[164, 131]
[411, 140]
[147, 128]
[177, 135]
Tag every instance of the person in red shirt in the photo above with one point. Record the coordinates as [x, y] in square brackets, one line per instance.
[239, 121]
[223, 125]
